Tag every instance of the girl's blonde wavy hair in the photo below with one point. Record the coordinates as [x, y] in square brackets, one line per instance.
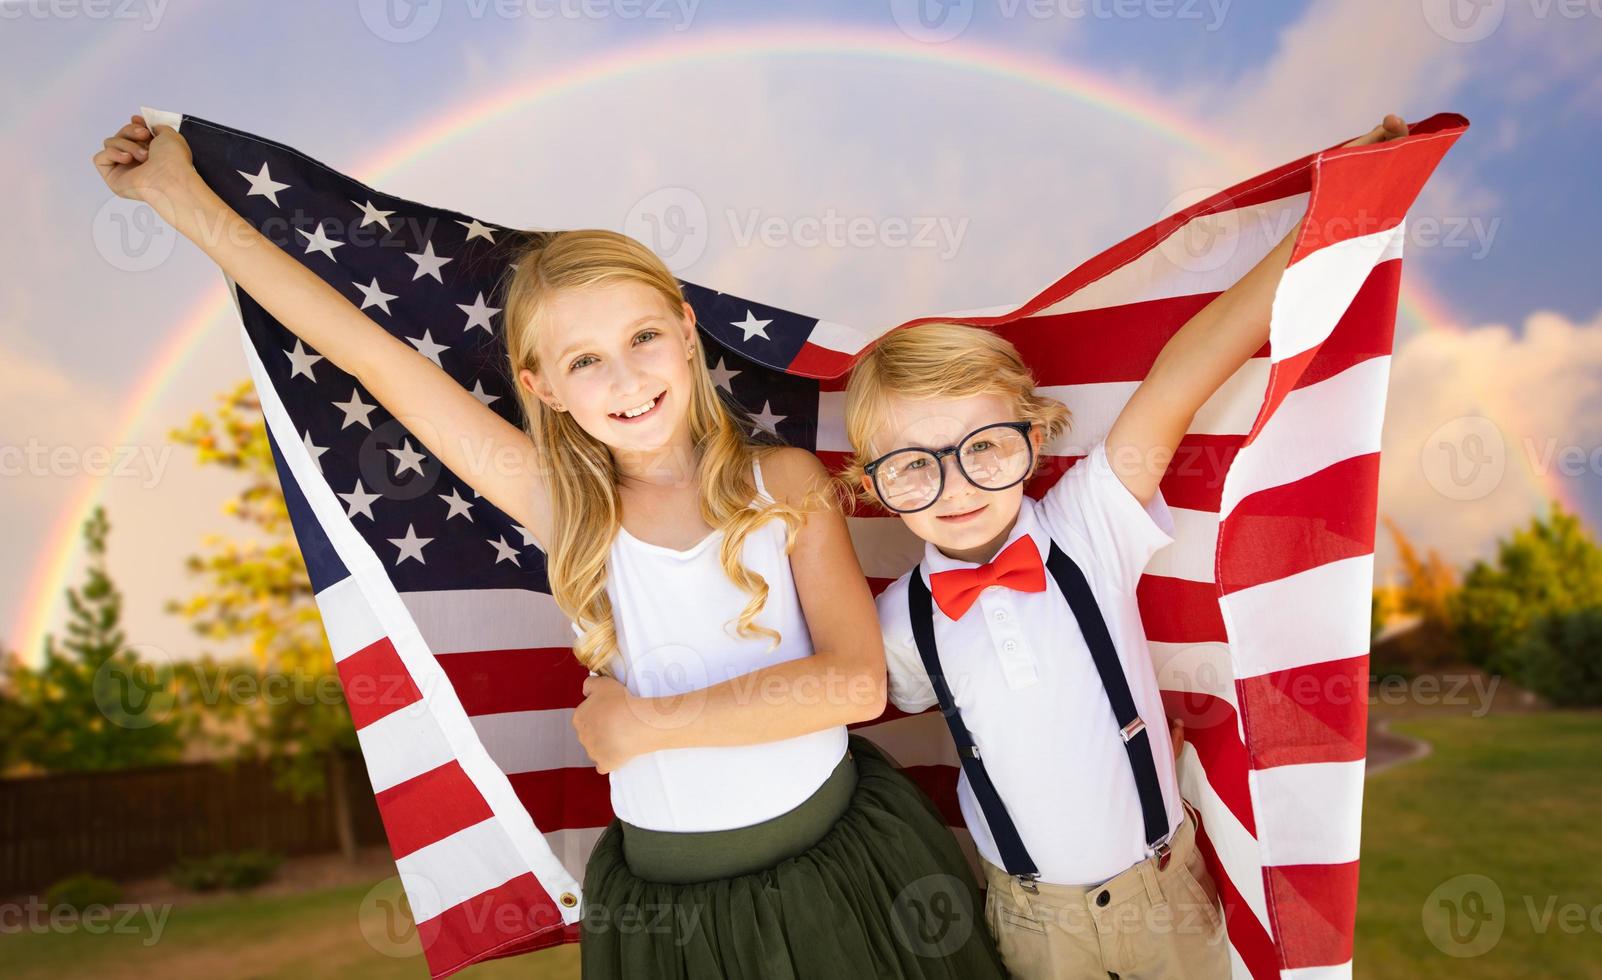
[580, 472]
[938, 360]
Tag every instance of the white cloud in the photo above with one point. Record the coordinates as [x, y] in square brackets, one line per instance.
[1540, 389]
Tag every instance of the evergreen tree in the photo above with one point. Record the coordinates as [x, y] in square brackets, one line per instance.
[92, 703]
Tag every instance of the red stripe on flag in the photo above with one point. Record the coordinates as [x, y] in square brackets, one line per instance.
[430, 807]
[566, 798]
[1315, 713]
[1073, 348]
[1312, 906]
[494, 681]
[1323, 517]
[1178, 610]
[1365, 331]
[939, 783]
[376, 683]
[514, 917]
[1249, 937]
[1212, 730]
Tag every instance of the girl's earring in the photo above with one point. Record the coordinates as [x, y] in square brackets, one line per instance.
[558, 406]
[690, 351]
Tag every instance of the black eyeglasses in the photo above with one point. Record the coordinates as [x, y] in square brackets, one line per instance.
[991, 457]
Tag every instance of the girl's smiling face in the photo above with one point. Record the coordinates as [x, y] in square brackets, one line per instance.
[616, 359]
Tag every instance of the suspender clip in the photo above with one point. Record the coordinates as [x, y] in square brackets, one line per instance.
[1132, 729]
[1027, 882]
[1162, 852]
[973, 751]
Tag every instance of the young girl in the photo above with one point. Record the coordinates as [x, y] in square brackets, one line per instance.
[708, 576]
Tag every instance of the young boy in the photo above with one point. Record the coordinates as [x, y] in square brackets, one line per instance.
[1021, 622]
[1091, 872]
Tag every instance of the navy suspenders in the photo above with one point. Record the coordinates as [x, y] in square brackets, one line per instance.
[1137, 741]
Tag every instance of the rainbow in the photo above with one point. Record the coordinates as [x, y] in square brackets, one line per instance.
[43, 595]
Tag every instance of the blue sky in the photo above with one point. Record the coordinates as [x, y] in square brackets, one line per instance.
[1036, 180]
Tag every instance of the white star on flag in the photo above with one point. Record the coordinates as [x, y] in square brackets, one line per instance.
[315, 450]
[722, 376]
[765, 419]
[504, 551]
[262, 183]
[428, 264]
[371, 215]
[410, 459]
[301, 360]
[425, 346]
[356, 410]
[457, 505]
[360, 501]
[478, 314]
[373, 296]
[481, 394]
[319, 242]
[752, 327]
[477, 230]
[411, 546]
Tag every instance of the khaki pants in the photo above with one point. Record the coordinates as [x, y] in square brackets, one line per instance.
[1143, 923]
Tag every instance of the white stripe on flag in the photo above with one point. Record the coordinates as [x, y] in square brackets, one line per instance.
[1191, 555]
[468, 863]
[1195, 668]
[1309, 813]
[1237, 239]
[1312, 617]
[1314, 293]
[1341, 971]
[347, 619]
[1315, 427]
[529, 741]
[1236, 847]
[401, 745]
[471, 620]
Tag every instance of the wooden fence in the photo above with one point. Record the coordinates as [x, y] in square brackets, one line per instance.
[136, 822]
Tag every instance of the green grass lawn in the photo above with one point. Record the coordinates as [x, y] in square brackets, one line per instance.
[1511, 797]
[300, 937]
[1514, 798]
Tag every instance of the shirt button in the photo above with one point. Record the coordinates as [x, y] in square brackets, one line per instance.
[1010, 645]
[1001, 615]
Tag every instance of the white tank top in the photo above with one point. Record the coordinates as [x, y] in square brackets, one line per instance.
[675, 613]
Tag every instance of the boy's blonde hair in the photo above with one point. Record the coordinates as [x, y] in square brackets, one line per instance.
[938, 360]
[579, 470]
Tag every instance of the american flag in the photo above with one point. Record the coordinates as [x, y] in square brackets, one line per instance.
[456, 662]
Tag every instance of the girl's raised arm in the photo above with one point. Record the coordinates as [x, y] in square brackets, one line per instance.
[496, 458]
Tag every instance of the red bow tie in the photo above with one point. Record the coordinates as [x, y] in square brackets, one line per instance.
[1017, 567]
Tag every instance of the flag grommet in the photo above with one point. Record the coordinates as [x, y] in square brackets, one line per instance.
[568, 900]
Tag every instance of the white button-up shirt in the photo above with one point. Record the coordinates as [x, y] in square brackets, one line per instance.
[1023, 678]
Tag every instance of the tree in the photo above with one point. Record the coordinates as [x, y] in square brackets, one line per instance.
[1560, 657]
[1424, 590]
[1552, 567]
[93, 703]
[258, 592]
[13, 714]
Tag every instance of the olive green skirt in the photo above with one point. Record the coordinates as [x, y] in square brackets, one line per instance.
[861, 880]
